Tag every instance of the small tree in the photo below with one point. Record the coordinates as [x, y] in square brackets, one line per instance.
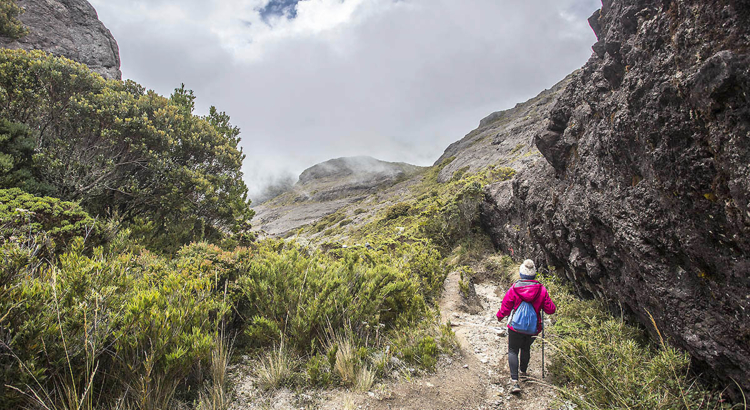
[10, 26]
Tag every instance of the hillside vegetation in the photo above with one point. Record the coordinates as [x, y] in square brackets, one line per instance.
[107, 299]
[129, 277]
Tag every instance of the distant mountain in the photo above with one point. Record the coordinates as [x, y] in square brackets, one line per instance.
[326, 188]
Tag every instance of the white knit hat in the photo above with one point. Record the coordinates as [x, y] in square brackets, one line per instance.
[527, 269]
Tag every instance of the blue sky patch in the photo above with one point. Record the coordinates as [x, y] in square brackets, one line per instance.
[279, 8]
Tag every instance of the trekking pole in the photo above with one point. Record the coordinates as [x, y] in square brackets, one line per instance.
[542, 345]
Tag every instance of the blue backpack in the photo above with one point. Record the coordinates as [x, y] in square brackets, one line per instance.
[524, 319]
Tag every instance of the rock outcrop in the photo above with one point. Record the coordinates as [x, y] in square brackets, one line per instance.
[68, 28]
[644, 197]
[503, 138]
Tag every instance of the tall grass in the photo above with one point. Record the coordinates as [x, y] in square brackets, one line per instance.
[215, 395]
[346, 359]
[599, 361]
[275, 367]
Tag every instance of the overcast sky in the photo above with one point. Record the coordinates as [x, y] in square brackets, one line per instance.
[311, 80]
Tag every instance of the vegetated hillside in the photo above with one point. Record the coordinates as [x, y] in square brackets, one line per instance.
[631, 177]
[355, 191]
[68, 28]
[110, 292]
[643, 197]
[326, 188]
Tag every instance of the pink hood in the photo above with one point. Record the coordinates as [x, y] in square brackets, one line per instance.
[527, 291]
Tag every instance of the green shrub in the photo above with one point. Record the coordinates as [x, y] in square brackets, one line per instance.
[134, 326]
[448, 224]
[24, 217]
[397, 211]
[328, 221]
[318, 371]
[502, 174]
[17, 146]
[288, 291]
[459, 174]
[422, 352]
[117, 148]
[10, 26]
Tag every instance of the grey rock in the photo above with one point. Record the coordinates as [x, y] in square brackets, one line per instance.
[644, 195]
[350, 176]
[326, 188]
[504, 138]
[68, 28]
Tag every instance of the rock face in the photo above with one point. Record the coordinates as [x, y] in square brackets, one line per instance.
[68, 28]
[325, 188]
[644, 197]
[503, 138]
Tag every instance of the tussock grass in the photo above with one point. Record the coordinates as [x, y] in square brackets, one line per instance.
[275, 368]
[215, 395]
[364, 379]
[346, 359]
[600, 361]
[349, 403]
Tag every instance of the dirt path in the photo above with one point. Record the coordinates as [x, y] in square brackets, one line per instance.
[475, 377]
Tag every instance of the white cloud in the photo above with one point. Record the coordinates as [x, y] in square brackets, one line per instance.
[398, 80]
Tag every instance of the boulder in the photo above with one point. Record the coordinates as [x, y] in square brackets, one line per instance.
[68, 28]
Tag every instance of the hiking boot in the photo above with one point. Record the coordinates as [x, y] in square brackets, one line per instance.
[515, 388]
[524, 376]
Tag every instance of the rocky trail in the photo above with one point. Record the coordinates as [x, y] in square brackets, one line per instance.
[476, 376]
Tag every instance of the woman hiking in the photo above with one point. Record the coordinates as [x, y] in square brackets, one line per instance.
[520, 335]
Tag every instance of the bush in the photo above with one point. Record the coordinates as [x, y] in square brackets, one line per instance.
[397, 211]
[284, 290]
[24, 217]
[459, 174]
[10, 26]
[318, 371]
[502, 173]
[117, 148]
[134, 326]
[454, 221]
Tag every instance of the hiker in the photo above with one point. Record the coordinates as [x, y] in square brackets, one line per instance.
[521, 327]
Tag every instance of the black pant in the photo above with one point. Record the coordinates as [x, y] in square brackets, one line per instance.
[518, 341]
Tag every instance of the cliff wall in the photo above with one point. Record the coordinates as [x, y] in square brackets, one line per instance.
[644, 198]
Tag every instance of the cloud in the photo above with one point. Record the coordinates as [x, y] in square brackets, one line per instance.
[311, 80]
[279, 8]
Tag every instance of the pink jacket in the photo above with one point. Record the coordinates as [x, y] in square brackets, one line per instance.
[530, 291]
